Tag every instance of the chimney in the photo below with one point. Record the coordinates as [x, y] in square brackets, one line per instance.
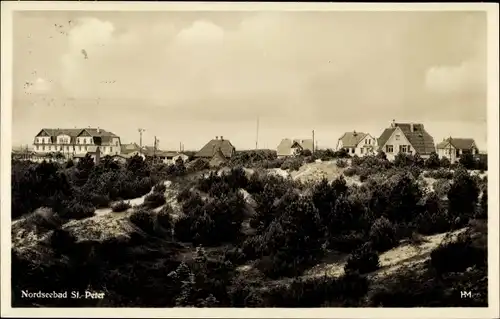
[393, 124]
[98, 130]
[221, 138]
[216, 137]
[354, 132]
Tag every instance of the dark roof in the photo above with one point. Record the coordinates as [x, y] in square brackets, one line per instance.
[458, 143]
[286, 144]
[352, 139]
[213, 146]
[422, 142]
[104, 135]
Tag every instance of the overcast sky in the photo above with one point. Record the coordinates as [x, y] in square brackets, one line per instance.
[189, 76]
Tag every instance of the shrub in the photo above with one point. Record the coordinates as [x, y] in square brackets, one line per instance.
[441, 188]
[351, 171]
[77, 210]
[341, 163]
[383, 235]
[154, 200]
[467, 161]
[463, 195]
[441, 173]
[160, 188]
[434, 219]
[345, 291]
[458, 256]
[100, 201]
[362, 260]
[433, 161]
[292, 164]
[121, 206]
[164, 217]
[444, 162]
[143, 219]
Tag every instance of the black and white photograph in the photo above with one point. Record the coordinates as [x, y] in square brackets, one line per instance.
[212, 156]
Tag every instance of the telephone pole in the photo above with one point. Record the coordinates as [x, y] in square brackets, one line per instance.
[313, 143]
[154, 149]
[257, 135]
[140, 130]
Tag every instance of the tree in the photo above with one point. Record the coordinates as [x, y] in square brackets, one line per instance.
[433, 161]
[403, 199]
[381, 155]
[467, 160]
[463, 195]
[444, 162]
[383, 235]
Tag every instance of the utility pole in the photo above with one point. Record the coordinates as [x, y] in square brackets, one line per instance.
[140, 138]
[257, 135]
[154, 149]
[313, 143]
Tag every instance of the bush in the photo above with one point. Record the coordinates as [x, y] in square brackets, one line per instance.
[341, 163]
[383, 235]
[121, 206]
[154, 200]
[77, 210]
[444, 162]
[164, 217]
[160, 188]
[144, 219]
[463, 195]
[434, 219]
[345, 291]
[440, 174]
[433, 161]
[351, 171]
[458, 256]
[441, 188]
[467, 161]
[292, 164]
[362, 260]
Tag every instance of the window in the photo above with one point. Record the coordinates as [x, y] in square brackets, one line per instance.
[85, 148]
[36, 147]
[352, 150]
[361, 150]
[44, 147]
[398, 137]
[402, 148]
[388, 149]
[116, 143]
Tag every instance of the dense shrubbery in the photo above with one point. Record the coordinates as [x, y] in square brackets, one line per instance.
[281, 229]
[362, 260]
[75, 191]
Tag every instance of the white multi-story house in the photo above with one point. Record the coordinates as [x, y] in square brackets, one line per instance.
[76, 142]
[408, 138]
[357, 143]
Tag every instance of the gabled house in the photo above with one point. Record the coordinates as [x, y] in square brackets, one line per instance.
[77, 141]
[357, 143]
[453, 148]
[212, 147]
[130, 148]
[408, 138]
[288, 147]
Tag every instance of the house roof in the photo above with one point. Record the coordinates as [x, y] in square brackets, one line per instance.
[422, 142]
[213, 146]
[352, 139]
[104, 135]
[458, 143]
[286, 144]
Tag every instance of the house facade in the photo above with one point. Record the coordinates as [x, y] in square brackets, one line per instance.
[76, 142]
[357, 143]
[453, 148]
[289, 147]
[407, 138]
